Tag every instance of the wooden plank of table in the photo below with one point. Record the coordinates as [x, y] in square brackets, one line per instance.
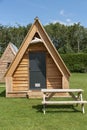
[61, 90]
[64, 102]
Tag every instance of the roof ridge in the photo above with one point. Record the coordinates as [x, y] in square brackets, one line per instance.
[13, 48]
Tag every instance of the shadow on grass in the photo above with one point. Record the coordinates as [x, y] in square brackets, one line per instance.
[56, 108]
[2, 94]
[39, 108]
[62, 108]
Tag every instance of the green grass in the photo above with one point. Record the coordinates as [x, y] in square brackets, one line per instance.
[2, 85]
[26, 114]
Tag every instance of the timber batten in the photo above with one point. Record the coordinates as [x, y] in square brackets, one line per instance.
[57, 75]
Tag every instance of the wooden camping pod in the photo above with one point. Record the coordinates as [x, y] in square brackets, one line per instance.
[6, 59]
[37, 65]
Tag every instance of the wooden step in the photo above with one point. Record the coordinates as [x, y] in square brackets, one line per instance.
[34, 94]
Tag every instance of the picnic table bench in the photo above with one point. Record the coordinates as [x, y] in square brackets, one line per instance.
[76, 94]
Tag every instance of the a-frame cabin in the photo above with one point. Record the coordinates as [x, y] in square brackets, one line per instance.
[6, 59]
[37, 65]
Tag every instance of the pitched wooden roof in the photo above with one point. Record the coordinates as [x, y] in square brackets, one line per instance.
[13, 48]
[38, 28]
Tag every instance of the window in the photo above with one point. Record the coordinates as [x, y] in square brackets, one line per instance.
[8, 64]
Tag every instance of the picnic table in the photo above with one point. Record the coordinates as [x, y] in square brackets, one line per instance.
[76, 94]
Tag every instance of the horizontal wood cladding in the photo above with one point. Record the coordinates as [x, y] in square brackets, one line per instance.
[22, 88]
[54, 77]
[20, 76]
[6, 58]
[34, 47]
[19, 94]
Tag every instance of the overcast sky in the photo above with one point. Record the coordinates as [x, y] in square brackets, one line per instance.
[23, 12]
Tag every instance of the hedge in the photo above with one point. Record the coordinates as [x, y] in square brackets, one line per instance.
[76, 62]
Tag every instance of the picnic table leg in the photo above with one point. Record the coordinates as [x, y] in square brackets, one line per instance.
[83, 111]
[81, 96]
[82, 105]
[44, 108]
[44, 98]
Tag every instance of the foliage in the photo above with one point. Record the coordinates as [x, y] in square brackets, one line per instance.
[76, 62]
[12, 34]
[67, 39]
[26, 114]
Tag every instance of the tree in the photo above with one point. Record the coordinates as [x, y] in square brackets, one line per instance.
[12, 34]
[67, 39]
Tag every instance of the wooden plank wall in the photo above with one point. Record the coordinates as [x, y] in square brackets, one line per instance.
[35, 47]
[6, 58]
[54, 77]
[20, 76]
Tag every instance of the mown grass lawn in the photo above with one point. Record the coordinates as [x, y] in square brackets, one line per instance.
[26, 114]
